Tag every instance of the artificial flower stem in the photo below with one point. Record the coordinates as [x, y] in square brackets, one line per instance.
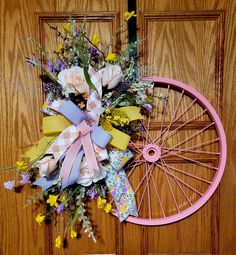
[92, 44]
[75, 217]
[114, 35]
[59, 34]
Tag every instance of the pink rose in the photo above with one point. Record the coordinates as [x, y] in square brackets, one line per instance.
[46, 165]
[87, 177]
[111, 75]
[73, 80]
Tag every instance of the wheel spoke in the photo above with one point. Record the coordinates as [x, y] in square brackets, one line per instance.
[164, 113]
[166, 130]
[136, 146]
[134, 166]
[146, 131]
[191, 160]
[200, 145]
[184, 124]
[188, 174]
[158, 197]
[194, 151]
[179, 116]
[148, 193]
[147, 177]
[170, 187]
[190, 137]
[183, 182]
[142, 180]
[177, 182]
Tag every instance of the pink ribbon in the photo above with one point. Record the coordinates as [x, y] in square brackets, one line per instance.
[83, 140]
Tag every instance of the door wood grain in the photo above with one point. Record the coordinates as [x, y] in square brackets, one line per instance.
[191, 41]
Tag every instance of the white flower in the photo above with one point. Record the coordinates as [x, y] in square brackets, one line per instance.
[87, 177]
[111, 75]
[46, 165]
[73, 80]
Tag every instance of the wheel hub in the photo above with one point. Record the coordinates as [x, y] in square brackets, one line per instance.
[151, 153]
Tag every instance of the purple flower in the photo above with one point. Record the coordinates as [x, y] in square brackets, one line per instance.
[124, 85]
[61, 65]
[147, 107]
[9, 185]
[93, 51]
[60, 208]
[51, 66]
[108, 103]
[92, 193]
[25, 178]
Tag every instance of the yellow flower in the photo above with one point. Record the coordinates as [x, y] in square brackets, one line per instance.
[108, 208]
[95, 39]
[111, 57]
[58, 242]
[63, 199]
[107, 111]
[66, 27]
[59, 47]
[101, 202]
[40, 218]
[129, 15]
[21, 165]
[52, 200]
[73, 233]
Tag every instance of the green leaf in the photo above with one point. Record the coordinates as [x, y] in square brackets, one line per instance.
[88, 80]
[76, 215]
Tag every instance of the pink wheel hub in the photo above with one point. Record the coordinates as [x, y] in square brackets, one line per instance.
[151, 153]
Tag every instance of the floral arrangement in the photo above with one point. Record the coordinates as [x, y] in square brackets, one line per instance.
[93, 103]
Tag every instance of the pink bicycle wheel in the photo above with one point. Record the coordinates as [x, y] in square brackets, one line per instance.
[180, 155]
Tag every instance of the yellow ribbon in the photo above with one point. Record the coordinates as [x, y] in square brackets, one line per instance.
[120, 140]
[133, 112]
[52, 127]
[54, 124]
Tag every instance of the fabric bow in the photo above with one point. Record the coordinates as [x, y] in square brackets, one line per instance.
[74, 142]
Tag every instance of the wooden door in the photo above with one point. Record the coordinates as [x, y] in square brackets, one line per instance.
[191, 41]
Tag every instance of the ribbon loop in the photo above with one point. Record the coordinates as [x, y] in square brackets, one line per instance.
[73, 113]
[84, 128]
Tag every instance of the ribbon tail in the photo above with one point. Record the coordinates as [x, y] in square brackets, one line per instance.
[69, 159]
[45, 182]
[89, 153]
[121, 190]
[127, 206]
[75, 171]
[119, 185]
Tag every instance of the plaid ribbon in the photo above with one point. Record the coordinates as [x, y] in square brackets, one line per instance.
[94, 107]
[63, 141]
